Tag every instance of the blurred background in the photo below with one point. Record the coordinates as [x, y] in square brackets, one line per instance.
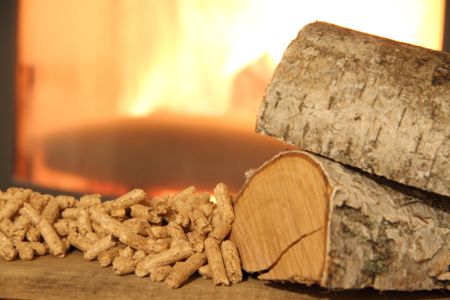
[103, 96]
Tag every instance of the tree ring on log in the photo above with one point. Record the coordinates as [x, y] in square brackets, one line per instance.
[298, 180]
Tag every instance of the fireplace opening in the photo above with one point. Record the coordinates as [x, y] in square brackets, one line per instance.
[112, 95]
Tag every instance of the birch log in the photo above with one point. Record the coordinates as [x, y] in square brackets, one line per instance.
[306, 219]
[369, 102]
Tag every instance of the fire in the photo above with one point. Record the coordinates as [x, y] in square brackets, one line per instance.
[137, 57]
[83, 63]
[218, 39]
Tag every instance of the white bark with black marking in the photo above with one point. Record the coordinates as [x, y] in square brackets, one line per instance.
[384, 236]
[365, 101]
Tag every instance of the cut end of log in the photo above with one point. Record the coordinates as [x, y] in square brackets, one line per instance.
[284, 209]
[303, 218]
[302, 262]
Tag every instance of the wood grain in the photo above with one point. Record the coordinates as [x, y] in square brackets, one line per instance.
[72, 278]
[278, 217]
[303, 218]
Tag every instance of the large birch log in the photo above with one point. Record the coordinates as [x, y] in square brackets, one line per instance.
[306, 219]
[365, 101]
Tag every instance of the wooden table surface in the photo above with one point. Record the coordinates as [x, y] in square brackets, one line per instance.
[73, 278]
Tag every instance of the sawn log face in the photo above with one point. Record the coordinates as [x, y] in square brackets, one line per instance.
[377, 234]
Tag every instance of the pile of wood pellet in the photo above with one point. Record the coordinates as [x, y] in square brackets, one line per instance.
[168, 238]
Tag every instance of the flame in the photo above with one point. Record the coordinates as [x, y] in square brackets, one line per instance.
[86, 62]
[220, 38]
[111, 59]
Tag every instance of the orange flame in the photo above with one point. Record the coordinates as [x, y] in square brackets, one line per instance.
[82, 62]
[219, 38]
[106, 58]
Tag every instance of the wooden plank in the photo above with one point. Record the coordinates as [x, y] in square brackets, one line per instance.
[73, 278]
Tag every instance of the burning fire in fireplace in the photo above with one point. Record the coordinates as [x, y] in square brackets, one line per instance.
[161, 94]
